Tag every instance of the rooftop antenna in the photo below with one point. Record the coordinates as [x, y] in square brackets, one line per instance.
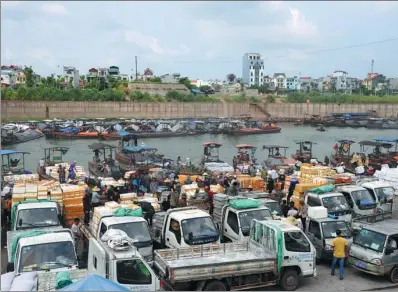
[371, 67]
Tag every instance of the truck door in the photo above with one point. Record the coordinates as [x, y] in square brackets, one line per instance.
[231, 225]
[135, 274]
[315, 236]
[298, 252]
[173, 234]
[96, 258]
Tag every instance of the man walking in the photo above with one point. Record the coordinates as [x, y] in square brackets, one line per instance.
[340, 249]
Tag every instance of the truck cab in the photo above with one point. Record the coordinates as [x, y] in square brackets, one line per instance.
[235, 224]
[374, 249]
[359, 199]
[333, 201]
[123, 265]
[183, 227]
[51, 250]
[272, 205]
[135, 227]
[322, 231]
[382, 193]
[31, 215]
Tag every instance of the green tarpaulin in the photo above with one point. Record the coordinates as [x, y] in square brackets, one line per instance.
[23, 235]
[121, 212]
[244, 204]
[322, 189]
[62, 280]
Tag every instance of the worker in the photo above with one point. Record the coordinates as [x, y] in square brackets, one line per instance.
[340, 250]
[149, 211]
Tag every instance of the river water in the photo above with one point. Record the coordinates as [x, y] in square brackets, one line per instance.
[191, 147]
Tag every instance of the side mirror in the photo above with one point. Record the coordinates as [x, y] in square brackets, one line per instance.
[389, 250]
[10, 267]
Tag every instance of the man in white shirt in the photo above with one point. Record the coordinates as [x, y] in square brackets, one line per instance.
[75, 228]
[293, 211]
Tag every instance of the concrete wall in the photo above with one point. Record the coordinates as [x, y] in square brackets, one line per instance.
[63, 109]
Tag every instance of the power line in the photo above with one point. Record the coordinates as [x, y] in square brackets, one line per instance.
[295, 54]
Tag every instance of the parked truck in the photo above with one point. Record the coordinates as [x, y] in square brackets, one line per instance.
[182, 227]
[135, 227]
[383, 193]
[276, 253]
[42, 250]
[233, 217]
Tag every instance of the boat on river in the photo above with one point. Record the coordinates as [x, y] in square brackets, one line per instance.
[277, 157]
[255, 131]
[243, 159]
[105, 167]
[9, 137]
[304, 153]
[160, 134]
[13, 162]
[52, 156]
[89, 134]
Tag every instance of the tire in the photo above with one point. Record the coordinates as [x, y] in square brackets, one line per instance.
[215, 286]
[393, 276]
[290, 280]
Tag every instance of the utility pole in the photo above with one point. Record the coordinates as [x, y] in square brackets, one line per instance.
[371, 67]
[136, 70]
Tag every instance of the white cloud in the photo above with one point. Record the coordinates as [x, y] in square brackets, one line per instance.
[54, 8]
[299, 26]
[153, 44]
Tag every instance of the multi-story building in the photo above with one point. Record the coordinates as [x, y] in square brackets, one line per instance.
[392, 87]
[293, 83]
[252, 69]
[14, 76]
[71, 76]
[306, 84]
[372, 80]
[148, 74]
[114, 72]
[280, 81]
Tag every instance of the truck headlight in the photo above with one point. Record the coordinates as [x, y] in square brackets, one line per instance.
[328, 247]
[377, 262]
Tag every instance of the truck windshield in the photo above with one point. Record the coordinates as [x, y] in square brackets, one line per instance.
[384, 193]
[363, 199]
[133, 272]
[335, 203]
[138, 231]
[246, 218]
[37, 217]
[47, 256]
[274, 208]
[203, 230]
[329, 229]
[370, 239]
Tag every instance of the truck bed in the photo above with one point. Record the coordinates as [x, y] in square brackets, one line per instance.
[211, 261]
[47, 281]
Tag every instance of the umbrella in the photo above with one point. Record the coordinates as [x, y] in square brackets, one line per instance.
[95, 283]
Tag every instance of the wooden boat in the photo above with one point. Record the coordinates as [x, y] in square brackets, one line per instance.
[342, 152]
[10, 164]
[116, 136]
[12, 138]
[244, 159]
[96, 166]
[304, 153]
[276, 158]
[52, 156]
[80, 135]
[255, 131]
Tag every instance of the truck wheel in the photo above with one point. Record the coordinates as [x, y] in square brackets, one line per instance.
[393, 276]
[215, 286]
[290, 280]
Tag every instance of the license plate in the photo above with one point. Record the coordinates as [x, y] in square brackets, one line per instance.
[360, 264]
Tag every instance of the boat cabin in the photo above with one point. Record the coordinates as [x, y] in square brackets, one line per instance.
[211, 152]
[377, 147]
[388, 140]
[12, 161]
[54, 155]
[243, 157]
[105, 151]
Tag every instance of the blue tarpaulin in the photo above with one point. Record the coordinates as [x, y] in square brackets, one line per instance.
[95, 283]
[388, 140]
[137, 148]
[123, 133]
[9, 152]
[69, 130]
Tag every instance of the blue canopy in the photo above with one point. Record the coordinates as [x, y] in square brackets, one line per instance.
[137, 148]
[95, 283]
[123, 133]
[69, 130]
[8, 152]
[388, 140]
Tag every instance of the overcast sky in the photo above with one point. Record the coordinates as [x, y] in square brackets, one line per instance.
[201, 39]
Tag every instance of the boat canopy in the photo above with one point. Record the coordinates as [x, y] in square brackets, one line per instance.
[304, 141]
[346, 141]
[138, 148]
[70, 130]
[274, 146]
[245, 146]
[372, 143]
[212, 144]
[99, 146]
[10, 152]
[388, 140]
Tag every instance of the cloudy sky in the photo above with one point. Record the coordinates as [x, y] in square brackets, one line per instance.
[201, 39]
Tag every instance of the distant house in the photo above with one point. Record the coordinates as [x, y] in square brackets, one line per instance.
[71, 75]
[293, 84]
[171, 78]
[280, 81]
[114, 72]
[373, 80]
[231, 88]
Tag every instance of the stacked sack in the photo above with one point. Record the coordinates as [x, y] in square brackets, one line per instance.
[21, 178]
[72, 200]
[219, 201]
[388, 175]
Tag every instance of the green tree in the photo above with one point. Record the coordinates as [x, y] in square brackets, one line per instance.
[205, 88]
[29, 77]
[156, 80]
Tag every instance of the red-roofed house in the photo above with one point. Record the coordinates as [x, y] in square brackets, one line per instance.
[373, 80]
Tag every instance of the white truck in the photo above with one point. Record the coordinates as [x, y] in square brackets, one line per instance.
[233, 222]
[135, 227]
[383, 193]
[276, 253]
[33, 215]
[42, 250]
[182, 227]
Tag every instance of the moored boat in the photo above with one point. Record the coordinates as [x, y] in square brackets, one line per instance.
[255, 131]
[52, 156]
[105, 167]
[81, 135]
[13, 162]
